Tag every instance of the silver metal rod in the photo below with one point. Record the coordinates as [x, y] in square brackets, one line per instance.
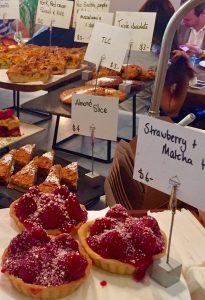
[165, 53]
[128, 59]
[50, 33]
[173, 207]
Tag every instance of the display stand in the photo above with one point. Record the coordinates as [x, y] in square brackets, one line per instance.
[126, 87]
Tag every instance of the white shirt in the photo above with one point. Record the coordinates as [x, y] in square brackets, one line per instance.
[196, 37]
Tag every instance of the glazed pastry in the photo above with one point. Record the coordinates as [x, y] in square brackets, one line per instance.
[52, 181]
[69, 175]
[56, 212]
[122, 244]
[45, 267]
[25, 178]
[23, 154]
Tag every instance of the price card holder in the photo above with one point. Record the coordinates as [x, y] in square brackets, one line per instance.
[9, 9]
[56, 12]
[175, 166]
[140, 25]
[105, 41]
[126, 87]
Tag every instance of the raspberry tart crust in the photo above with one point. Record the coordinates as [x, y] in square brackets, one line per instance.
[122, 244]
[56, 212]
[33, 272]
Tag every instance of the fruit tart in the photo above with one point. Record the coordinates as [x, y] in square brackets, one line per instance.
[45, 267]
[23, 155]
[45, 163]
[6, 167]
[122, 244]
[52, 181]
[69, 175]
[56, 212]
[25, 178]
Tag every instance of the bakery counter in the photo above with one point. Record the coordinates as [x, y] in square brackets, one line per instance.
[99, 285]
[50, 103]
[87, 194]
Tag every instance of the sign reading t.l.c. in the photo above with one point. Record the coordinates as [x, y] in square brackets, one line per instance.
[9, 9]
[85, 22]
[169, 155]
[96, 111]
[140, 25]
[110, 43]
[56, 13]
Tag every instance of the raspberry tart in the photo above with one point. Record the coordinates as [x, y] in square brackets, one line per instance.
[122, 244]
[45, 267]
[56, 212]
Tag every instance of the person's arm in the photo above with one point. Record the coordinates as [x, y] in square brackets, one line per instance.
[195, 50]
[21, 27]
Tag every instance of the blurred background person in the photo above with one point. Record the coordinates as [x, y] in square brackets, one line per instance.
[192, 31]
[9, 27]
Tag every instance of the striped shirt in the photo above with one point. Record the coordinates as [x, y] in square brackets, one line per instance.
[5, 27]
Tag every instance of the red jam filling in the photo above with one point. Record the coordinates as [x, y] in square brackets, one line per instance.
[128, 239]
[57, 210]
[39, 259]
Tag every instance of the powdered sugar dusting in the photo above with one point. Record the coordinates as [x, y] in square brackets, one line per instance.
[6, 159]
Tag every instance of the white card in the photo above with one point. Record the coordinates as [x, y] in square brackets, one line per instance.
[168, 153]
[90, 5]
[56, 13]
[9, 9]
[141, 27]
[98, 111]
[109, 42]
[85, 22]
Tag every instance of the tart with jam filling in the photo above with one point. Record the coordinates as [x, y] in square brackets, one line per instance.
[45, 267]
[56, 212]
[122, 244]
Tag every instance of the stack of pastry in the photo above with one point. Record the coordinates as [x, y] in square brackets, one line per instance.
[9, 123]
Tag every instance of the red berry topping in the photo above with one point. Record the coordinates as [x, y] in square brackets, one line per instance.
[100, 225]
[118, 212]
[51, 216]
[63, 191]
[74, 209]
[25, 206]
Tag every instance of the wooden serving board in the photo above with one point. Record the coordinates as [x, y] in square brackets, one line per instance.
[26, 131]
[38, 85]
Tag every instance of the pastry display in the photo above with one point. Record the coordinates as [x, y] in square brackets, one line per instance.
[45, 267]
[45, 163]
[69, 175]
[6, 167]
[130, 71]
[66, 96]
[106, 82]
[57, 212]
[52, 181]
[24, 154]
[147, 74]
[25, 178]
[29, 71]
[104, 72]
[9, 123]
[122, 244]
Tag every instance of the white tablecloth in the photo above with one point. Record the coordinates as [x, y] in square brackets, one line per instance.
[118, 287]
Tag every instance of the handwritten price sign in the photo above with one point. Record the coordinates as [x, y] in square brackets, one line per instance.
[168, 154]
[96, 110]
[141, 27]
[104, 42]
[56, 13]
[85, 22]
[9, 9]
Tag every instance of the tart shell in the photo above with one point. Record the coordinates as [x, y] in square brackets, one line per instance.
[110, 265]
[51, 292]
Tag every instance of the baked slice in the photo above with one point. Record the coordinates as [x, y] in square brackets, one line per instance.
[52, 181]
[45, 163]
[25, 178]
[6, 167]
[9, 123]
[72, 56]
[57, 212]
[69, 175]
[66, 96]
[107, 82]
[29, 71]
[23, 154]
[45, 267]
[131, 71]
[147, 74]
[122, 244]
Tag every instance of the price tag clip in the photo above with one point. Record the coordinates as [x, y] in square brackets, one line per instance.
[103, 57]
[167, 271]
[126, 87]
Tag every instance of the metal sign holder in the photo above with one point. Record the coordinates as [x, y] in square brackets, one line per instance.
[125, 86]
